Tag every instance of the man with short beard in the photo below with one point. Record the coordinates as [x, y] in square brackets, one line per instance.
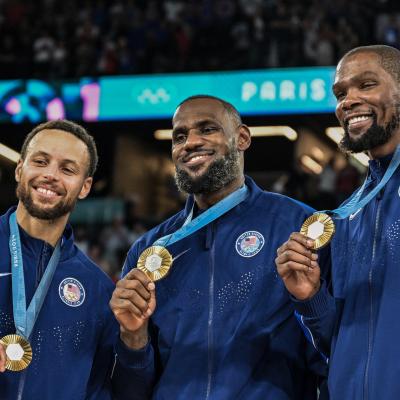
[219, 325]
[354, 319]
[61, 347]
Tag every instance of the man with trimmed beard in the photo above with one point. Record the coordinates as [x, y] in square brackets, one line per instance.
[56, 330]
[219, 324]
[354, 320]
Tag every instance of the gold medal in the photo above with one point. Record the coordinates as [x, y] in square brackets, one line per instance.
[155, 262]
[319, 227]
[18, 352]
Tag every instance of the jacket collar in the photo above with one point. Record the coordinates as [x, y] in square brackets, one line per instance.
[378, 166]
[254, 191]
[35, 245]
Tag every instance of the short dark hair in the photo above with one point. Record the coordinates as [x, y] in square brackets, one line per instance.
[229, 108]
[389, 57]
[70, 127]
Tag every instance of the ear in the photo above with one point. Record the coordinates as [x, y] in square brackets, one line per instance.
[244, 138]
[87, 184]
[18, 170]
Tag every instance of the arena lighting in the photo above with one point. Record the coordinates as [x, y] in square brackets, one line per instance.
[8, 153]
[336, 133]
[286, 131]
[311, 164]
[317, 153]
[256, 131]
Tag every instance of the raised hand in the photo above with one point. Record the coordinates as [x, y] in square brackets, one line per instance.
[298, 267]
[133, 302]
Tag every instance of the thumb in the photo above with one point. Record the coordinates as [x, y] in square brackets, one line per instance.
[152, 302]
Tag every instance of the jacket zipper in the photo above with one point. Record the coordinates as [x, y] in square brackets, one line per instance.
[371, 319]
[210, 333]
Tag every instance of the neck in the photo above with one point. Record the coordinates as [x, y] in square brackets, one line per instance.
[387, 148]
[48, 230]
[206, 200]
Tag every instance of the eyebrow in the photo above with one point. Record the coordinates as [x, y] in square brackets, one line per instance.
[198, 124]
[362, 75]
[44, 154]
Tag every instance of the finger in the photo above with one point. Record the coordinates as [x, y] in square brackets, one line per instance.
[3, 359]
[288, 268]
[136, 285]
[121, 306]
[292, 255]
[134, 297]
[137, 274]
[302, 239]
[295, 239]
[152, 302]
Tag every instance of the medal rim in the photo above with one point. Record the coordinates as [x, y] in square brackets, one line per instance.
[329, 229]
[26, 359]
[166, 262]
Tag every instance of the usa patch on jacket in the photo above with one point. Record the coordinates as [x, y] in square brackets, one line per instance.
[249, 243]
[71, 292]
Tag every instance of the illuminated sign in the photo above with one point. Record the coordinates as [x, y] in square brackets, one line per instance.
[279, 91]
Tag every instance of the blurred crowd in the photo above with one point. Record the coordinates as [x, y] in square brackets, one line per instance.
[48, 38]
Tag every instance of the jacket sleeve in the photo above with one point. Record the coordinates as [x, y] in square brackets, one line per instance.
[134, 374]
[99, 385]
[318, 315]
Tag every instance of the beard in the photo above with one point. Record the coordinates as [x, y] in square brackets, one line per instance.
[375, 136]
[59, 210]
[219, 174]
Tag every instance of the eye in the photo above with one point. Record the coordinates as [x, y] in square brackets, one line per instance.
[179, 137]
[209, 129]
[68, 171]
[339, 95]
[39, 161]
[368, 84]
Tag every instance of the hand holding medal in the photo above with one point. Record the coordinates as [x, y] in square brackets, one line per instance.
[297, 261]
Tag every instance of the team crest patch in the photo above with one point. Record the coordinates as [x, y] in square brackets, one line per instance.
[248, 244]
[71, 292]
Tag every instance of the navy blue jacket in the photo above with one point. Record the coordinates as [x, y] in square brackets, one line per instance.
[75, 332]
[224, 326]
[358, 327]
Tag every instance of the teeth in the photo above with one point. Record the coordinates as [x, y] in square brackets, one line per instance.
[46, 192]
[358, 119]
[195, 158]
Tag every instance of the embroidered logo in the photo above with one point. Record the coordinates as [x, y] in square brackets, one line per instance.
[354, 214]
[248, 244]
[71, 292]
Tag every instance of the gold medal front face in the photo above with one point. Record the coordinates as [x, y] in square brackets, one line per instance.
[319, 227]
[18, 352]
[155, 262]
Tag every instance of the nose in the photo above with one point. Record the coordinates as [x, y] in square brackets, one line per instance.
[51, 172]
[193, 139]
[351, 100]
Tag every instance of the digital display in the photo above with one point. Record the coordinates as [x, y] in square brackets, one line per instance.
[260, 92]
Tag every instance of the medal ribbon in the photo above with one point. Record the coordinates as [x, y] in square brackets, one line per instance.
[190, 226]
[355, 203]
[25, 319]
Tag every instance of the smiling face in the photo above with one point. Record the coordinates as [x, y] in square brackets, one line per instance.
[53, 175]
[368, 100]
[207, 145]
